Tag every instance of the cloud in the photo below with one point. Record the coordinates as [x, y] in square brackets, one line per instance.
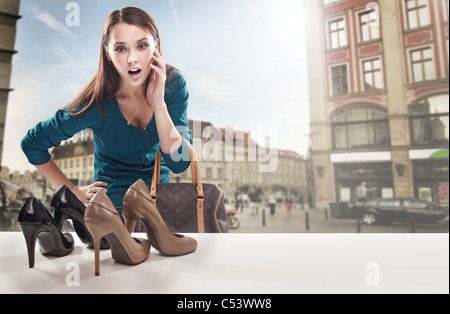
[50, 21]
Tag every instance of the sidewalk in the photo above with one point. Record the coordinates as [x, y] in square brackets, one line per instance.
[296, 223]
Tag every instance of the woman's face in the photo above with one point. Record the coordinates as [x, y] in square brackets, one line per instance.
[131, 49]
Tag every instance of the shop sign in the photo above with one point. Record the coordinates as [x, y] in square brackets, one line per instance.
[428, 154]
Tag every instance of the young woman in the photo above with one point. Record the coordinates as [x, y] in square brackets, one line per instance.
[288, 203]
[135, 105]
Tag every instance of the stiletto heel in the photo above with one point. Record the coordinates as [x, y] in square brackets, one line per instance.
[98, 231]
[37, 224]
[137, 204]
[66, 205]
[132, 216]
[30, 232]
[103, 221]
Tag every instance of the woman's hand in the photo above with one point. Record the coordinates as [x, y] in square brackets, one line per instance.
[86, 193]
[156, 86]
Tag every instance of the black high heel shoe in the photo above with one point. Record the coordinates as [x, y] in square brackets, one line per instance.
[66, 205]
[37, 223]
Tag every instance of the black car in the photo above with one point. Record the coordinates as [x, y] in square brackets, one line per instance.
[398, 209]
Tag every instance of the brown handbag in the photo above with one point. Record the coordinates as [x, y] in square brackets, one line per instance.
[189, 207]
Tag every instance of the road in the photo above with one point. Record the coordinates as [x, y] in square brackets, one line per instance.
[296, 223]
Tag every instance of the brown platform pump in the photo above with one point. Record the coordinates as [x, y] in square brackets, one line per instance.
[138, 204]
[102, 220]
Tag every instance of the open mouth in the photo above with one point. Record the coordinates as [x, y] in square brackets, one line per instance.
[134, 71]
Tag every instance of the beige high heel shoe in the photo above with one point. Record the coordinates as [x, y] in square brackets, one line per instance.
[102, 220]
[138, 204]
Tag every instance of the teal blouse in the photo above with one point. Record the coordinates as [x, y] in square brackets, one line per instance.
[123, 153]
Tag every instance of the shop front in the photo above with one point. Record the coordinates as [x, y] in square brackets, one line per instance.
[352, 169]
[430, 171]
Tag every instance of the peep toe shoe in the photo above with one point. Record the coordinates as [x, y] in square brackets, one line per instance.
[66, 206]
[102, 220]
[37, 223]
[137, 204]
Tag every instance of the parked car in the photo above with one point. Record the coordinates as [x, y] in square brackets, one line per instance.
[398, 209]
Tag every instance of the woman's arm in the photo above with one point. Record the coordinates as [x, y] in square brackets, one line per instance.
[57, 178]
[50, 133]
[170, 112]
[169, 138]
[54, 175]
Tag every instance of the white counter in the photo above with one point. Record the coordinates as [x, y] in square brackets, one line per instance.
[241, 264]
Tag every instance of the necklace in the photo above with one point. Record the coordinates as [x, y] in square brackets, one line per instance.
[137, 110]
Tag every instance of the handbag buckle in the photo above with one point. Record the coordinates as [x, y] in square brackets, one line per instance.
[200, 201]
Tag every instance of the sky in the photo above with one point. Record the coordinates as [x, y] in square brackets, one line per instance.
[244, 62]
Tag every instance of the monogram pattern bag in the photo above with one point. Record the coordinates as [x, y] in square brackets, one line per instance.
[189, 207]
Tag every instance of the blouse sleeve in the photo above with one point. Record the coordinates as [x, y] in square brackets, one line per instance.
[177, 103]
[50, 133]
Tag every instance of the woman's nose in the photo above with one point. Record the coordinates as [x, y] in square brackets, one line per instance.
[132, 58]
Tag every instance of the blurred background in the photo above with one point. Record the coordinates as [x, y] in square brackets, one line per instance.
[349, 96]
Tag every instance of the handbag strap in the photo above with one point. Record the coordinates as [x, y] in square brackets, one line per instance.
[196, 178]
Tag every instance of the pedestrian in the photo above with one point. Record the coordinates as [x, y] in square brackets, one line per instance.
[361, 192]
[310, 200]
[288, 203]
[227, 205]
[300, 200]
[135, 105]
[245, 200]
[254, 199]
[239, 201]
[272, 200]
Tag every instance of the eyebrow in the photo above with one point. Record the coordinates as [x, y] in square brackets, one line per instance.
[123, 43]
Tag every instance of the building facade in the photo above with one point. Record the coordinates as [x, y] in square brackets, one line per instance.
[379, 90]
[76, 160]
[9, 15]
[228, 158]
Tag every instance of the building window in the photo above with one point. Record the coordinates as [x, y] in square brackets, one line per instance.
[417, 13]
[422, 65]
[430, 121]
[431, 180]
[339, 80]
[369, 26]
[364, 126]
[373, 78]
[337, 32]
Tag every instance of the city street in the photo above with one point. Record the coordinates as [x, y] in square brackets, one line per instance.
[296, 223]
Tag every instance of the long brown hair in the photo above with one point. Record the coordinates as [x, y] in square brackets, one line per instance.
[105, 83]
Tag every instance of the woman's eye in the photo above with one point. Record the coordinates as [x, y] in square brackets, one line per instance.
[142, 46]
[120, 49]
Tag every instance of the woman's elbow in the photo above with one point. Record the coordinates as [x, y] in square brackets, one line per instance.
[180, 167]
